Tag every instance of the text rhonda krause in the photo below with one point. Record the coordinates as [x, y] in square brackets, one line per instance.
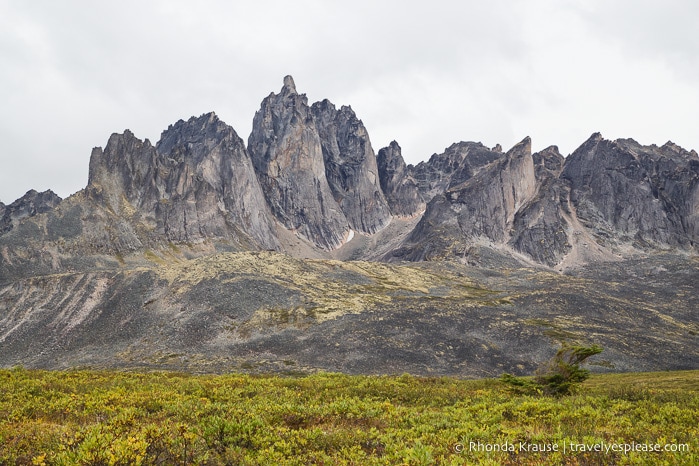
[573, 447]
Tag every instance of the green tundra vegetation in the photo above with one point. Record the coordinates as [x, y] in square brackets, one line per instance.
[125, 418]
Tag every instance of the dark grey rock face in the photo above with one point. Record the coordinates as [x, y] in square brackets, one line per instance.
[487, 200]
[477, 208]
[398, 185]
[540, 229]
[29, 205]
[350, 167]
[288, 158]
[208, 186]
[646, 196]
[123, 175]
[120, 197]
[456, 164]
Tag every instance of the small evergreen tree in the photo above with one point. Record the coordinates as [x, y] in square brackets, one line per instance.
[563, 371]
[558, 376]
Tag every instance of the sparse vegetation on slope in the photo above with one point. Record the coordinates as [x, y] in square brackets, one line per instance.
[329, 288]
[265, 312]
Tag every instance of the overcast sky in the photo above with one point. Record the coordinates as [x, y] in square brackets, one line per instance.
[426, 74]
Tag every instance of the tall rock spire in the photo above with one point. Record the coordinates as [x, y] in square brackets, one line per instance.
[398, 185]
[289, 84]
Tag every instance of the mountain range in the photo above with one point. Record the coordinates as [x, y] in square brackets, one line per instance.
[305, 249]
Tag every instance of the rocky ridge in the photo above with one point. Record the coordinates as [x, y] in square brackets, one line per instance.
[625, 192]
[29, 205]
[208, 241]
[310, 173]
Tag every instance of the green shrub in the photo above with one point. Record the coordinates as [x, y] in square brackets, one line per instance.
[560, 375]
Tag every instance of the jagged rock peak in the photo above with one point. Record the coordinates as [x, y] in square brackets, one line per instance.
[123, 170]
[203, 119]
[196, 129]
[37, 198]
[591, 142]
[211, 184]
[483, 195]
[549, 158]
[521, 172]
[457, 163]
[671, 147]
[286, 152]
[197, 183]
[350, 167]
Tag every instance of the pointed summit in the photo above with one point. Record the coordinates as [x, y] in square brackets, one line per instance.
[289, 84]
[521, 149]
[594, 139]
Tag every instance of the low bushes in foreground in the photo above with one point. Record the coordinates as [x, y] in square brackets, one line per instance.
[124, 418]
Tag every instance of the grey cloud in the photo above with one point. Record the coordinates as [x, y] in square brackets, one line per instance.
[648, 29]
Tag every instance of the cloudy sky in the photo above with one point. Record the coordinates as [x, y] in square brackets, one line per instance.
[426, 74]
